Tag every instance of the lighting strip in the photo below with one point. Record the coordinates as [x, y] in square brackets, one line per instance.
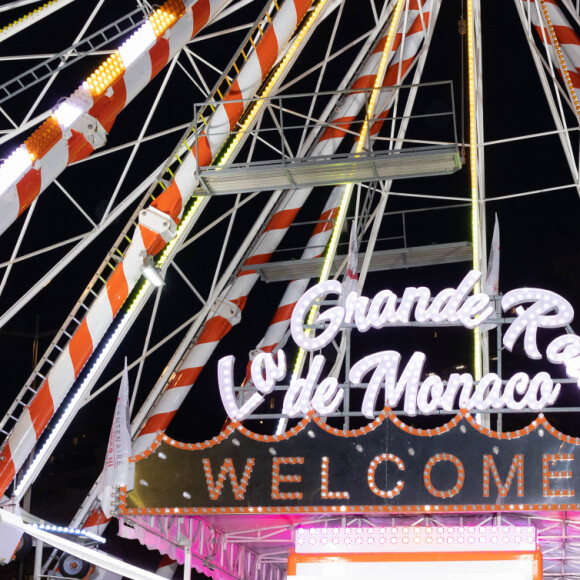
[560, 57]
[96, 557]
[475, 224]
[415, 539]
[54, 436]
[340, 218]
[69, 531]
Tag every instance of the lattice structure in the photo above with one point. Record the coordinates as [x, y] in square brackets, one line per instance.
[267, 544]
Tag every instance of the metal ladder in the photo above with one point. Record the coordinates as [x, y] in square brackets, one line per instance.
[76, 52]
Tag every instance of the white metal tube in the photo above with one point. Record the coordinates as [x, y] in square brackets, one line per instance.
[95, 557]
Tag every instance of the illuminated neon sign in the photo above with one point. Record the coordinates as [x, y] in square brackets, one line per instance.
[384, 371]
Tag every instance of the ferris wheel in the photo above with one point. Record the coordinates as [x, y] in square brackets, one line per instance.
[174, 206]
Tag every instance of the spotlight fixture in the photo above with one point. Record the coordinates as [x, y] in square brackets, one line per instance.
[152, 273]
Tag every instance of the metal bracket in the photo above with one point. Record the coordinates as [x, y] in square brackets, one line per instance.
[159, 222]
[93, 131]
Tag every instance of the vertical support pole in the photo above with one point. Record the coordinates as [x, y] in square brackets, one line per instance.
[471, 65]
[38, 559]
[480, 344]
[187, 561]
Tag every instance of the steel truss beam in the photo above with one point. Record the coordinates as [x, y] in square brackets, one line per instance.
[225, 543]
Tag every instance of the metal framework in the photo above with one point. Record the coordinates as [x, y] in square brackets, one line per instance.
[265, 547]
[281, 117]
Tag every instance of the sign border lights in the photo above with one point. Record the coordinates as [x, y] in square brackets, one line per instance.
[451, 306]
[415, 539]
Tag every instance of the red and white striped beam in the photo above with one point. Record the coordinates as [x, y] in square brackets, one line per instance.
[80, 124]
[557, 34]
[156, 227]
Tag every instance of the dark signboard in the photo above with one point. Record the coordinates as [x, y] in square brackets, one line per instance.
[385, 467]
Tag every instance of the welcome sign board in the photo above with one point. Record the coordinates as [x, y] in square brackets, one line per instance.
[386, 466]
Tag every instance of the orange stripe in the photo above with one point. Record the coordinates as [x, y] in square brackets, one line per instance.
[78, 147]
[106, 109]
[234, 111]
[159, 55]
[170, 202]
[339, 128]
[240, 302]
[152, 241]
[364, 82]
[204, 154]
[117, 289]
[28, 189]
[158, 422]
[539, 33]
[283, 313]
[214, 329]
[414, 4]
[282, 220]
[200, 13]
[96, 518]
[392, 76]
[80, 347]
[380, 47]
[396, 42]
[257, 259]
[185, 377]
[267, 51]
[324, 226]
[41, 409]
[301, 8]
[420, 24]
[7, 471]
[565, 34]
[378, 124]
[575, 78]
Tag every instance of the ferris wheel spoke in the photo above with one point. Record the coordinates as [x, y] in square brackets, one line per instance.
[24, 22]
[9, 119]
[152, 111]
[188, 282]
[146, 343]
[111, 150]
[16, 249]
[198, 82]
[325, 62]
[63, 60]
[547, 73]
[75, 203]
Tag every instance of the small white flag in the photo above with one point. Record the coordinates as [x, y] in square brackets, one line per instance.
[117, 470]
[492, 278]
[350, 282]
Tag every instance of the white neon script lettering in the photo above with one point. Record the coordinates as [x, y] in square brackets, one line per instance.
[535, 316]
[449, 305]
[265, 374]
[453, 305]
[324, 396]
